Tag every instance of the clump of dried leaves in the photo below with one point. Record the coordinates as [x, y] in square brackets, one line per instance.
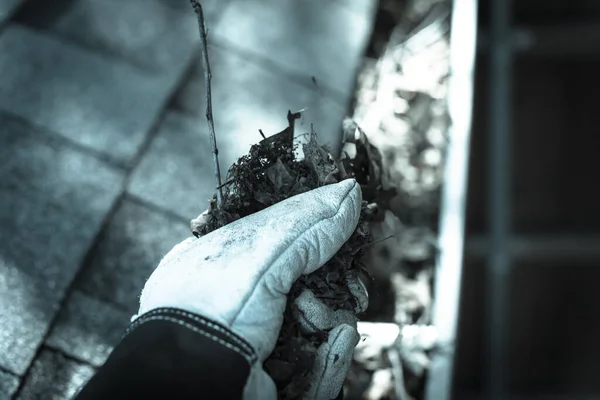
[272, 172]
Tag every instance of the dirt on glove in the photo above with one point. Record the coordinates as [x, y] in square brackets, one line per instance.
[271, 173]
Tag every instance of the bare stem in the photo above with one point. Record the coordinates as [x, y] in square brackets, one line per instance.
[371, 244]
[209, 116]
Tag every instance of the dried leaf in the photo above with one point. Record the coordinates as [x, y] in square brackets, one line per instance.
[279, 175]
[263, 198]
[319, 160]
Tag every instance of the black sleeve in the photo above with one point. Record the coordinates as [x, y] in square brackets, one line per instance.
[172, 354]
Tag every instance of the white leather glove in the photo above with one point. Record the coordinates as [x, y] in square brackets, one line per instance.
[239, 276]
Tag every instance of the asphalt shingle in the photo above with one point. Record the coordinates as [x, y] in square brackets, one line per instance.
[87, 329]
[8, 385]
[7, 7]
[157, 35]
[26, 310]
[38, 165]
[53, 200]
[94, 101]
[306, 37]
[130, 248]
[54, 377]
[176, 173]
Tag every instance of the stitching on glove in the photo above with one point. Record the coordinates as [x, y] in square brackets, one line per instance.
[230, 335]
[247, 357]
[239, 346]
[214, 326]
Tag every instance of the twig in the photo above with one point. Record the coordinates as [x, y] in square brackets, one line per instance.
[372, 243]
[209, 116]
[227, 182]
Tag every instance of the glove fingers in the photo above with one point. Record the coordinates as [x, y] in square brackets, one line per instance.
[332, 363]
[293, 237]
[314, 315]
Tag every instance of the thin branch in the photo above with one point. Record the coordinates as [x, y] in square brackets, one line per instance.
[225, 183]
[371, 244]
[209, 116]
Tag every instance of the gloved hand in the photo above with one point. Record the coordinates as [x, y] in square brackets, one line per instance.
[239, 276]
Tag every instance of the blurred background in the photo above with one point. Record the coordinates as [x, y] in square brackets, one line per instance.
[536, 86]
[104, 159]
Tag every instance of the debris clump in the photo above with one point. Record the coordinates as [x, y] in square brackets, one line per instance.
[272, 172]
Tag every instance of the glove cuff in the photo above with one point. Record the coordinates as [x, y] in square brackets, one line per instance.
[201, 325]
[170, 353]
[258, 386]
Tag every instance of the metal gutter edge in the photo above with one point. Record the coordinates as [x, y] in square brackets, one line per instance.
[463, 40]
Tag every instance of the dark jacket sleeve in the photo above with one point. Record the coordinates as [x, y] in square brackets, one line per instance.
[172, 354]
